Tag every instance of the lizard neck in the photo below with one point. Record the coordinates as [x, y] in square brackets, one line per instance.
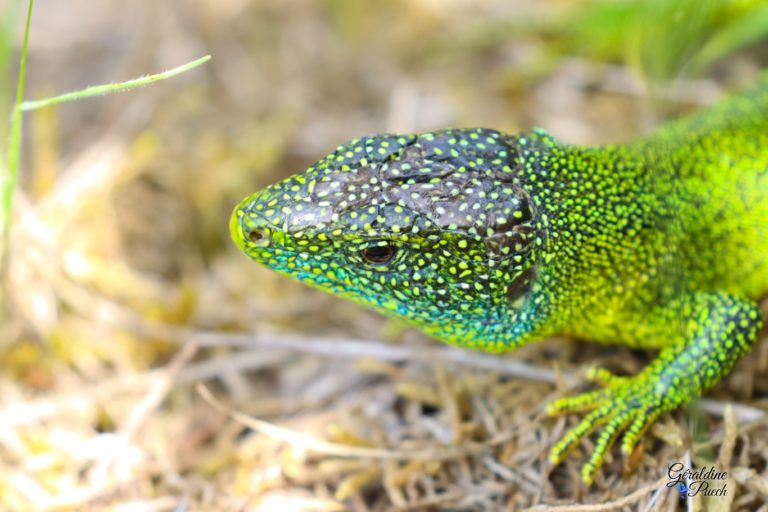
[597, 214]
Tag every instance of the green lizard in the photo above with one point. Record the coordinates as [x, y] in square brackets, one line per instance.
[491, 240]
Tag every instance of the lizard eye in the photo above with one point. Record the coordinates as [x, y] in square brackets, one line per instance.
[379, 254]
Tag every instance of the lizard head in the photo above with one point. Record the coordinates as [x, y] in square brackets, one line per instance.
[435, 228]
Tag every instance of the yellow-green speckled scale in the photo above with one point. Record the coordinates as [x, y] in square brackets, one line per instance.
[490, 240]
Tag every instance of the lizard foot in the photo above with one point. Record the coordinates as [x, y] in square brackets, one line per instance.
[624, 404]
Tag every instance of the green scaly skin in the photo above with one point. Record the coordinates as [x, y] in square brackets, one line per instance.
[490, 240]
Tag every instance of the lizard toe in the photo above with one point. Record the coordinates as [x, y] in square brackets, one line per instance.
[593, 420]
[637, 428]
[603, 377]
[607, 437]
[578, 403]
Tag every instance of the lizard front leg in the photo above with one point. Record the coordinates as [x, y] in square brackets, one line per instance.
[718, 329]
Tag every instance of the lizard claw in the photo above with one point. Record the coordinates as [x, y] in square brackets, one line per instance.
[625, 404]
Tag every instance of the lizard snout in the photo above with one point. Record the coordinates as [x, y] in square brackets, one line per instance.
[249, 228]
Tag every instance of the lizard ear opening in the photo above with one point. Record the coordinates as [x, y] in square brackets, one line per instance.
[519, 287]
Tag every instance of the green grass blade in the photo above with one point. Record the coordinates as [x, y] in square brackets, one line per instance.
[10, 174]
[14, 143]
[750, 28]
[100, 90]
[8, 14]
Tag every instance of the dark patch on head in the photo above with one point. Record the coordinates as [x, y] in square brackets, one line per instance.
[521, 285]
[507, 244]
[461, 181]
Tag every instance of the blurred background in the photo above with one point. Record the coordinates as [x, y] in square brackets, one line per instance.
[123, 288]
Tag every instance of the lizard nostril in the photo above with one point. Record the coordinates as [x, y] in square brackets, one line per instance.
[256, 235]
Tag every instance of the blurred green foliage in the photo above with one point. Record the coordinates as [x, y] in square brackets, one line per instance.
[661, 39]
[664, 39]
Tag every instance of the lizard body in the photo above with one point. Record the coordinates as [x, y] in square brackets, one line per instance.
[491, 240]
